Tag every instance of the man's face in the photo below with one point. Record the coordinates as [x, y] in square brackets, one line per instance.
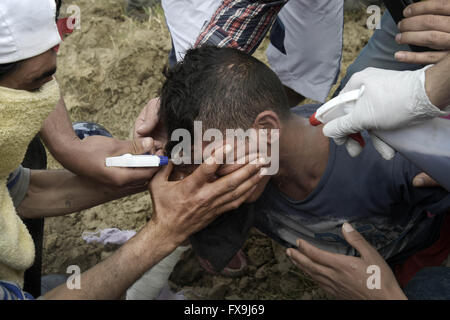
[182, 171]
[32, 73]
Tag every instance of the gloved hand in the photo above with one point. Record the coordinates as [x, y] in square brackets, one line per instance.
[391, 99]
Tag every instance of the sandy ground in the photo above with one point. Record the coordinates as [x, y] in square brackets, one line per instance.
[109, 70]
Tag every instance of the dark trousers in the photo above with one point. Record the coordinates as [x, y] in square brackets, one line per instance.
[35, 158]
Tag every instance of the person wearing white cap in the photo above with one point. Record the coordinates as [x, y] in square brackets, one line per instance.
[29, 38]
[28, 61]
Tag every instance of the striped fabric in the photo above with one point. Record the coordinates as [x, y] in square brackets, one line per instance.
[240, 24]
[14, 178]
[10, 291]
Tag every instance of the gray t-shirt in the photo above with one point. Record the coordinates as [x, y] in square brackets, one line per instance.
[374, 195]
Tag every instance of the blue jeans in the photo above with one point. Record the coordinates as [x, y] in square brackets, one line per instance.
[431, 283]
[379, 52]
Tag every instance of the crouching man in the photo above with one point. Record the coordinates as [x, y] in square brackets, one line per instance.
[318, 186]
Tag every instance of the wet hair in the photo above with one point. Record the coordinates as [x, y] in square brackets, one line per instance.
[223, 87]
[8, 68]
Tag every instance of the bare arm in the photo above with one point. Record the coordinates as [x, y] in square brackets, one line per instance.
[87, 157]
[57, 131]
[180, 209]
[110, 278]
[60, 192]
[437, 83]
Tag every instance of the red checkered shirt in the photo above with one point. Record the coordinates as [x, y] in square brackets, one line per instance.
[240, 24]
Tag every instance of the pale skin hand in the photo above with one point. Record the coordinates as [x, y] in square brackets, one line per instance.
[426, 24]
[180, 209]
[345, 277]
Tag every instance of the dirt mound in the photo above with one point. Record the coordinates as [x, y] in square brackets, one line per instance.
[108, 71]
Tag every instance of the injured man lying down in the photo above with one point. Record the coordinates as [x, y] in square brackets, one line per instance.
[318, 186]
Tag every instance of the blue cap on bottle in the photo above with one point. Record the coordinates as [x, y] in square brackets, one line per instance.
[163, 161]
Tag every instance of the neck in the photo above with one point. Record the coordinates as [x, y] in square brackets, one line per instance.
[303, 158]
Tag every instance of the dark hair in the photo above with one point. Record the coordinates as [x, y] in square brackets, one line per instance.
[222, 87]
[8, 68]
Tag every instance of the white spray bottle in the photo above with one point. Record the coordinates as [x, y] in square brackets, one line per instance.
[426, 144]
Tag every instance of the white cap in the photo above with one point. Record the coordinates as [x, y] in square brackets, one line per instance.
[27, 29]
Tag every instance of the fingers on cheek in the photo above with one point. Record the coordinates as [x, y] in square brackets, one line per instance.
[227, 169]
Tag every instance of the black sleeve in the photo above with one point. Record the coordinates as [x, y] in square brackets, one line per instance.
[221, 240]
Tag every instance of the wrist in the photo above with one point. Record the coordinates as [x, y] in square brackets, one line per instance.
[145, 250]
[436, 94]
[426, 107]
[165, 240]
[393, 290]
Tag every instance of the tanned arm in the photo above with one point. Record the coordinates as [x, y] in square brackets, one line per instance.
[437, 83]
[59, 192]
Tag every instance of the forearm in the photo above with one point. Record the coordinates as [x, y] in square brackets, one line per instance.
[58, 134]
[86, 157]
[437, 83]
[113, 276]
[60, 192]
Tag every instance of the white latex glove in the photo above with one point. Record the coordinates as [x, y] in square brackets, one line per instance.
[391, 99]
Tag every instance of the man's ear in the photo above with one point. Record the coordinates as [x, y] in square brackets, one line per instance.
[268, 120]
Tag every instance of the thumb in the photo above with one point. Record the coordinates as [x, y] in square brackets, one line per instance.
[146, 127]
[142, 145]
[357, 241]
[148, 119]
[385, 150]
